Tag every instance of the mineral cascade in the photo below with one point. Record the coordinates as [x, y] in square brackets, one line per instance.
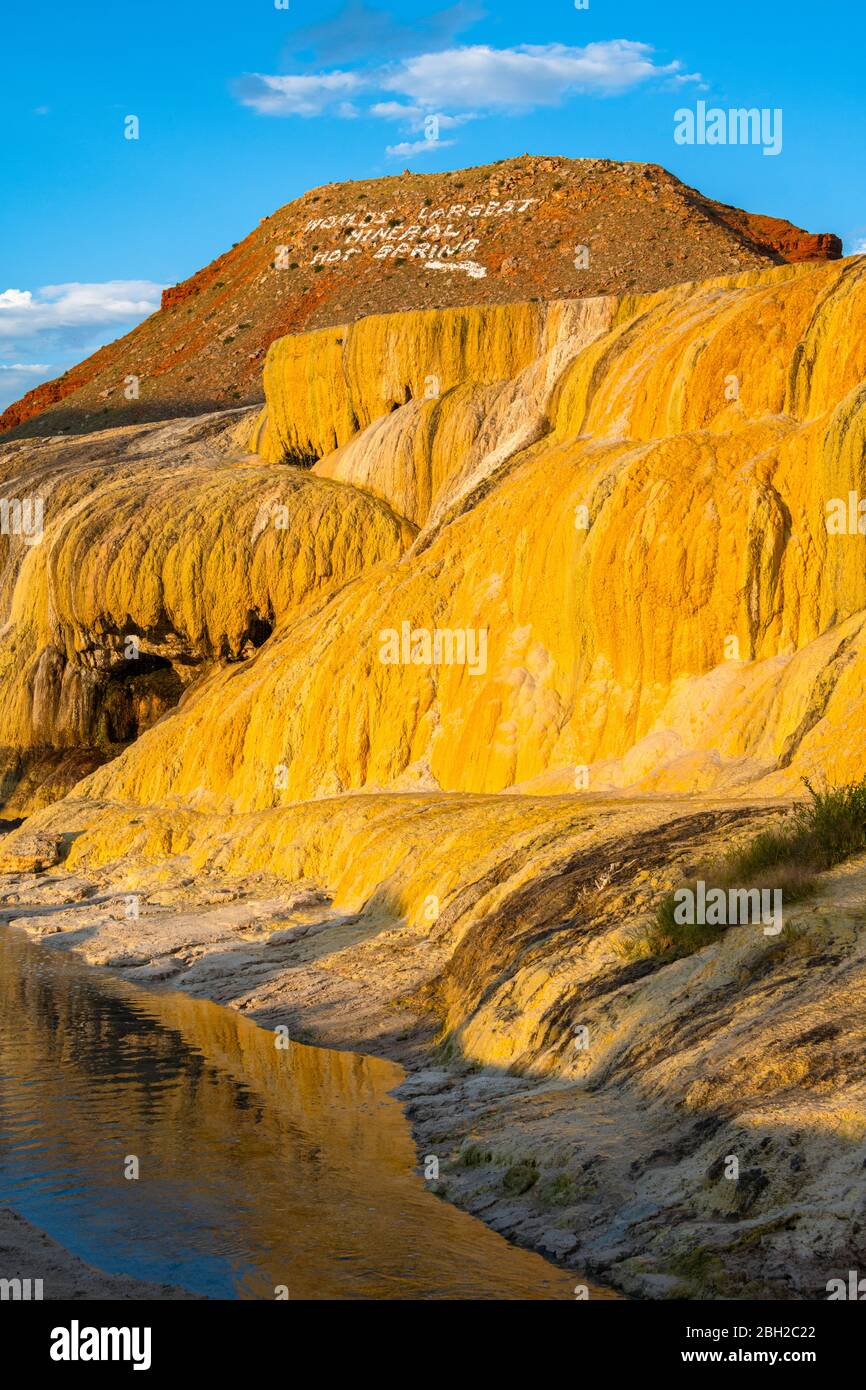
[478, 625]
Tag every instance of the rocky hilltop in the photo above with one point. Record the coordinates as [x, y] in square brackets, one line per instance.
[397, 703]
[522, 229]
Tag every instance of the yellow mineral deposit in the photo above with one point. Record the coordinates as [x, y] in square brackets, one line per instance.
[465, 571]
[622, 495]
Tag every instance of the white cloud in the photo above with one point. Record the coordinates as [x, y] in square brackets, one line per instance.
[407, 149]
[299, 94]
[25, 314]
[859, 249]
[397, 111]
[15, 299]
[65, 322]
[466, 81]
[416, 117]
[522, 77]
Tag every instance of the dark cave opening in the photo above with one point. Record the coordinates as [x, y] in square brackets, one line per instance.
[134, 697]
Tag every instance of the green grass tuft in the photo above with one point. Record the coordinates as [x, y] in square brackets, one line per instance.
[473, 1156]
[818, 834]
[520, 1177]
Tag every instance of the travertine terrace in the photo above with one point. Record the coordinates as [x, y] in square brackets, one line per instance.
[232, 688]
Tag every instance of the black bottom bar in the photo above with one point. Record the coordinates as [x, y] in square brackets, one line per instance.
[256, 1340]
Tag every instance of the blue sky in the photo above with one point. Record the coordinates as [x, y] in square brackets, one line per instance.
[242, 106]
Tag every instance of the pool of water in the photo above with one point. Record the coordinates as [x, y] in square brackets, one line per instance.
[258, 1167]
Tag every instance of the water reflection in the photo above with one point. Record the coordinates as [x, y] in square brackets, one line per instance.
[258, 1166]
